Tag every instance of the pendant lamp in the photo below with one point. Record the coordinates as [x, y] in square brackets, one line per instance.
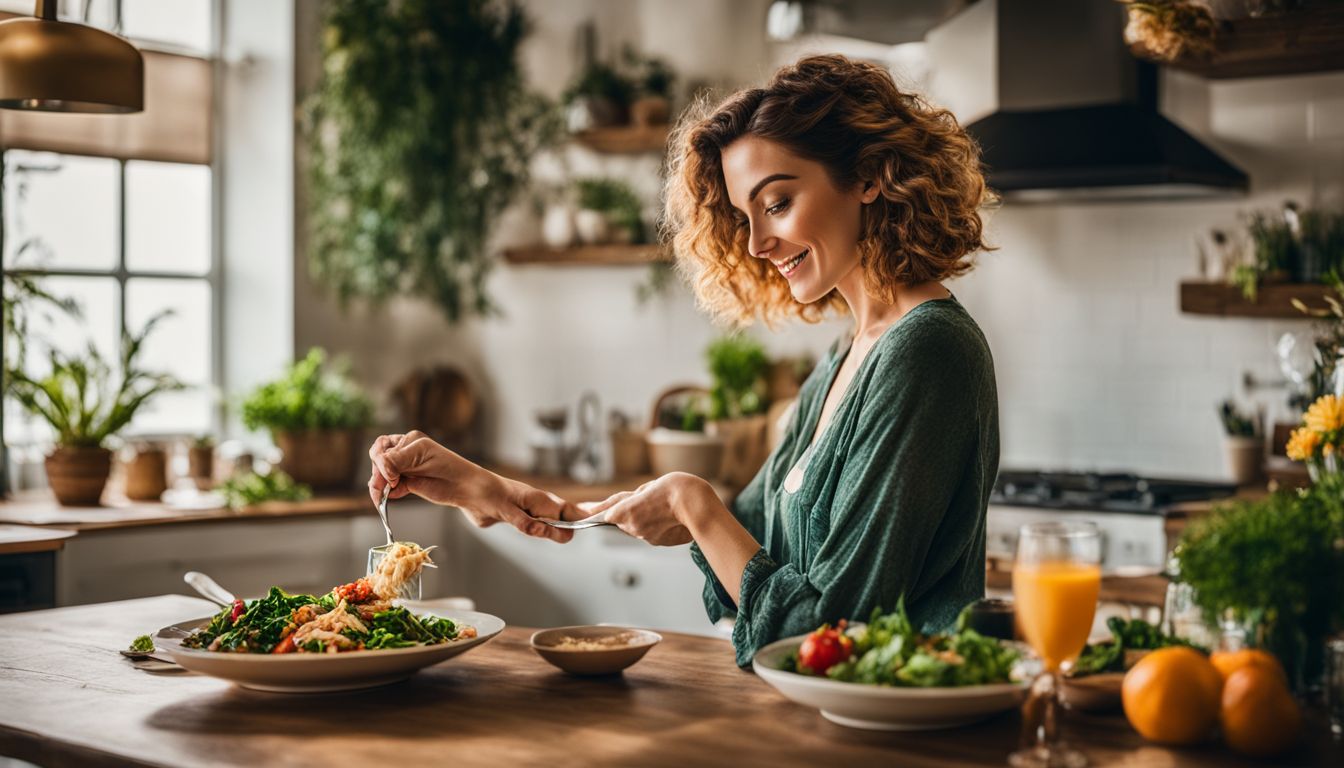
[61, 66]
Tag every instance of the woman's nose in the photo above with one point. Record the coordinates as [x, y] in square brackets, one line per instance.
[760, 244]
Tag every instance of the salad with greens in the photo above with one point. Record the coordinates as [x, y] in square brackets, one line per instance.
[1131, 635]
[348, 618]
[889, 651]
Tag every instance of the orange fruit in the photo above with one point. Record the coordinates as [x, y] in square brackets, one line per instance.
[1258, 715]
[1172, 696]
[1228, 662]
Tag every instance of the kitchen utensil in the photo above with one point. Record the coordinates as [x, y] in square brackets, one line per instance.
[621, 648]
[382, 515]
[321, 672]
[578, 525]
[209, 588]
[551, 454]
[411, 589]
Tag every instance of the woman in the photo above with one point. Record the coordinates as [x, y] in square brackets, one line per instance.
[829, 189]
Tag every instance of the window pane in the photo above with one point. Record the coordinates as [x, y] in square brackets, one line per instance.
[60, 211]
[180, 23]
[167, 217]
[180, 345]
[51, 328]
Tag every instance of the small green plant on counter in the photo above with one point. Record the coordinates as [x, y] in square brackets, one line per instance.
[738, 365]
[650, 75]
[83, 399]
[617, 200]
[1236, 423]
[252, 488]
[1276, 564]
[308, 396]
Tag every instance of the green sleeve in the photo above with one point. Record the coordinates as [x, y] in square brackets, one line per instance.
[906, 453]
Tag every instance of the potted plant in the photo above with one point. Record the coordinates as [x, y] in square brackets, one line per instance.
[1244, 448]
[1275, 565]
[85, 402]
[737, 405]
[677, 439]
[653, 80]
[608, 208]
[201, 462]
[315, 417]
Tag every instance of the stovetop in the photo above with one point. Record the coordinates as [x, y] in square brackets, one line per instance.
[1101, 491]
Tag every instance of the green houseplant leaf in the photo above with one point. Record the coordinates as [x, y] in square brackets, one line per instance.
[419, 135]
[308, 395]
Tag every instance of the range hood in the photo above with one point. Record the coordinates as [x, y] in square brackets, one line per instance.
[1077, 115]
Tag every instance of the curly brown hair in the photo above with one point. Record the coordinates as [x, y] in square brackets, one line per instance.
[850, 117]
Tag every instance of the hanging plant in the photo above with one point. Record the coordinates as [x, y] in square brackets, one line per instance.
[420, 134]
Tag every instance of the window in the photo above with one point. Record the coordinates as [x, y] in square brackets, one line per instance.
[127, 240]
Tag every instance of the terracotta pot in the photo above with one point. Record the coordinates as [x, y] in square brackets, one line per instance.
[321, 458]
[1244, 456]
[147, 475]
[78, 475]
[651, 110]
[201, 466]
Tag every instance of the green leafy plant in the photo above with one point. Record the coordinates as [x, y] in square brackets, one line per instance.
[738, 365]
[83, 399]
[602, 81]
[419, 136]
[1275, 563]
[651, 75]
[1236, 423]
[614, 198]
[252, 488]
[309, 395]
[25, 297]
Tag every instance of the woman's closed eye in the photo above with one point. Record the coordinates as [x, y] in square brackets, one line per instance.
[777, 208]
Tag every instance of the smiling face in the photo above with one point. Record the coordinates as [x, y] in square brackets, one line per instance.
[798, 219]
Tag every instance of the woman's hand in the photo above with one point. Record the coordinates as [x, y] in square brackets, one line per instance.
[658, 511]
[413, 463]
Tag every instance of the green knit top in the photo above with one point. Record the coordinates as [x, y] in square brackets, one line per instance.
[893, 496]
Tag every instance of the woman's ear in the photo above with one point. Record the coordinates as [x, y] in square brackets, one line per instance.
[869, 193]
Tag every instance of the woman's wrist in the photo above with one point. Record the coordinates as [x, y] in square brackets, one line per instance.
[696, 503]
[465, 483]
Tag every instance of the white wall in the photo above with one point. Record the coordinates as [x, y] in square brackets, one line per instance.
[1096, 367]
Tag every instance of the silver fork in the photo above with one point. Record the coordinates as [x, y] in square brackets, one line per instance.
[578, 525]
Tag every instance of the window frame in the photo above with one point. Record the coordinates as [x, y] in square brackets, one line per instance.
[121, 273]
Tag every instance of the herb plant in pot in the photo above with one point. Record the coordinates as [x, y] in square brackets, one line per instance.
[608, 210]
[677, 439]
[315, 416]
[1244, 448]
[737, 405]
[653, 80]
[85, 402]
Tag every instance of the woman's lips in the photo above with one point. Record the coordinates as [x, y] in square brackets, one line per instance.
[791, 266]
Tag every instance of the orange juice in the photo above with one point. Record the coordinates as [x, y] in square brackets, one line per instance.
[1055, 602]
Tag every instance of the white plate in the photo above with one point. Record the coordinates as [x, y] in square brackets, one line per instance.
[321, 672]
[883, 707]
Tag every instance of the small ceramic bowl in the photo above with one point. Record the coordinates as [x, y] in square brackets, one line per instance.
[1092, 693]
[593, 650]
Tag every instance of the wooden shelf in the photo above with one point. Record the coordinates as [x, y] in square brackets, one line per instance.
[625, 139]
[588, 255]
[1306, 40]
[1272, 301]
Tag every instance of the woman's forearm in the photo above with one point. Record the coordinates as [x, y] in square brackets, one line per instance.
[726, 545]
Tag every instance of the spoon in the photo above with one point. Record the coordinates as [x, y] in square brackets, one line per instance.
[209, 588]
[382, 513]
[578, 525]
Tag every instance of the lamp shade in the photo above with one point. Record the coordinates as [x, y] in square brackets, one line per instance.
[59, 66]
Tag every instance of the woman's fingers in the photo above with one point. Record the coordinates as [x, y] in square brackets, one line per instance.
[594, 508]
[520, 519]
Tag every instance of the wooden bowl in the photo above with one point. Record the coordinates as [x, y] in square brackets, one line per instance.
[597, 650]
[1092, 693]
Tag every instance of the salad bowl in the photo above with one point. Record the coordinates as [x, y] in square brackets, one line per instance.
[883, 707]
[324, 672]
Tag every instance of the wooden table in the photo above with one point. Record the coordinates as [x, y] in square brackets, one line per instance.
[67, 697]
[25, 539]
[41, 509]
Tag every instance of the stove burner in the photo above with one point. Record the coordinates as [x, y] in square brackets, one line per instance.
[1111, 492]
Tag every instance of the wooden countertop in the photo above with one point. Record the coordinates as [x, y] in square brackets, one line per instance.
[69, 698]
[22, 539]
[41, 509]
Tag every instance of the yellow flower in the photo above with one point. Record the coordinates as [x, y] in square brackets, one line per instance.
[1302, 444]
[1326, 414]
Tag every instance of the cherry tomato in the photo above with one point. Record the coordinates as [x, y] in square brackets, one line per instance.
[825, 648]
[237, 611]
[286, 645]
[357, 591]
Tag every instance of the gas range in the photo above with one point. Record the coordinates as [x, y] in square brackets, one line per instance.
[1128, 509]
